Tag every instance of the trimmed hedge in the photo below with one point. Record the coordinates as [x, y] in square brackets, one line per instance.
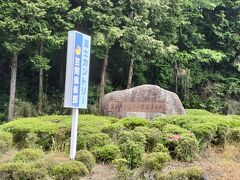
[182, 137]
[132, 122]
[6, 140]
[106, 153]
[21, 171]
[69, 170]
[181, 143]
[86, 158]
[27, 155]
[197, 112]
[152, 136]
[51, 129]
[155, 161]
[132, 152]
[235, 134]
[190, 173]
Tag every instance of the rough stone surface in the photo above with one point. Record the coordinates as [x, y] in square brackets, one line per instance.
[146, 101]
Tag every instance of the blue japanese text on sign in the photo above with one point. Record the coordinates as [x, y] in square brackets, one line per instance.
[77, 71]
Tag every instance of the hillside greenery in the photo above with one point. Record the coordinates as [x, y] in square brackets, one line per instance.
[131, 144]
[188, 47]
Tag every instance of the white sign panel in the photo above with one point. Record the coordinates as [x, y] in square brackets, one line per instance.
[77, 70]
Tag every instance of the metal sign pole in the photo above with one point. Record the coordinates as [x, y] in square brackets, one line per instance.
[76, 81]
[73, 145]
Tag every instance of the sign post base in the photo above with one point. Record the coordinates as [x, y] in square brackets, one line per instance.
[73, 145]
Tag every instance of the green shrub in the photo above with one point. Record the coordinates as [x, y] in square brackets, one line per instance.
[132, 122]
[160, 148]
[23, 171]
[86, 158]
[95, 123]
[190, 173]
[83, 136]
[132, 152]
[45, 164]
[174, 129]
[27, 155]
[182, 144]
[174, 120]
[90, 141]
[152, 136]
[222, 133]
[204, 132]
[187, 149]
[45, 127]
[3, 117]
[155, 161]
[51, 129]
[235, 135]
[123, 173]
[69, 170]
[6, 140]
[135, 136]
[157, 123]
[113, 130]
[172, 136]
[60, 140]
[31, 140]
[98, 140]
[197, 112]
[106, 153]
[234, 121]
[24, 109]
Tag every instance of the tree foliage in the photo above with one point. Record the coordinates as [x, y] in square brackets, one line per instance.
[189, 47]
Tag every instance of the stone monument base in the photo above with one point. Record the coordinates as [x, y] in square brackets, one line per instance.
[146, 101]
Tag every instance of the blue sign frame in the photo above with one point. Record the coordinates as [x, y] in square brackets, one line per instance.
[77, 70]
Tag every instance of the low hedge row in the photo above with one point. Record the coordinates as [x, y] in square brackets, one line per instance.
[6, 140]
[51, 129]
[107, 138]
[32, 164]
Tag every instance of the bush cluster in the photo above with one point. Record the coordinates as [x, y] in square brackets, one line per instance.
[106, 153]
[86, 158]
[27, 155]
[132, 122]
[69, 170]
[132, 152]
[19, 170]
[6, 140]
[52, 130]
[190, 173]
[128, 143]
[155, 161]
[123, 172]
[181, 143]
[235, 134]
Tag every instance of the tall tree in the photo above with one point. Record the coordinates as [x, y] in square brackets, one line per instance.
[13, 29]
[104, 19]
[139, 40]
[48, 24]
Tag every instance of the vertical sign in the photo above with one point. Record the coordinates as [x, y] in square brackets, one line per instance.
[77, 71]
[77, 77]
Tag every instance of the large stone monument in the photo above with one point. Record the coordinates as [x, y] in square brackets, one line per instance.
[147, 101]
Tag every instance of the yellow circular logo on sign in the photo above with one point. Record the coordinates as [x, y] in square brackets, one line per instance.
[78, 50]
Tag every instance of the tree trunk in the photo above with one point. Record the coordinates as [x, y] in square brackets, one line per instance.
[60, 84]
[40, 86]
[103, 75]
[176, 77]
[40, 91]
[130, 74]
[12, 87]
